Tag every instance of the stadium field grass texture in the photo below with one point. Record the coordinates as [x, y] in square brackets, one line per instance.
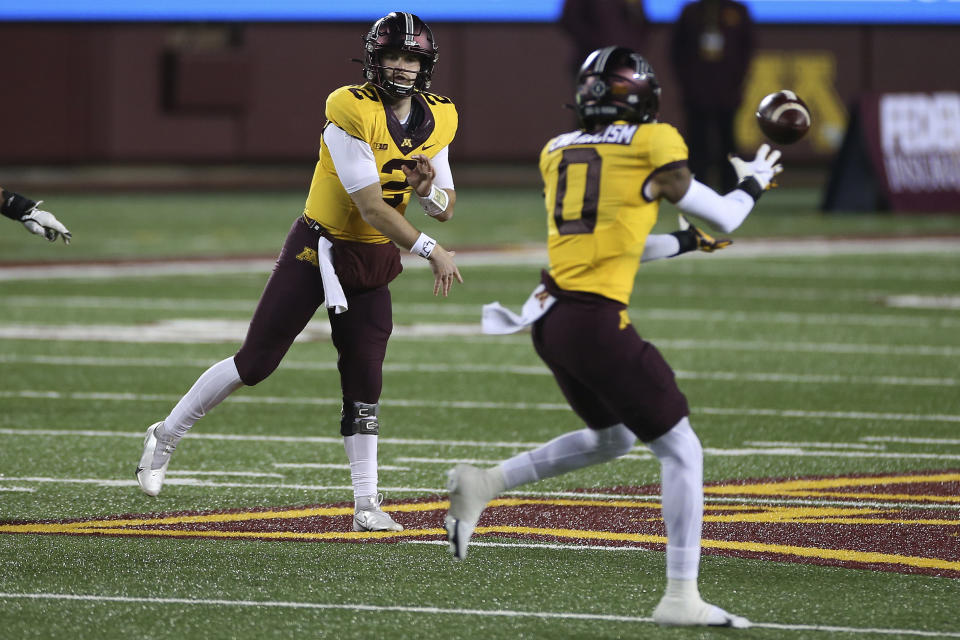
[822, 383]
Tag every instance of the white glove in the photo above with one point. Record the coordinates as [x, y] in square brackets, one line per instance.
[44, 223]
[762, 168]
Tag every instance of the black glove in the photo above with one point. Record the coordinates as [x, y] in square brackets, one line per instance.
[693, 239]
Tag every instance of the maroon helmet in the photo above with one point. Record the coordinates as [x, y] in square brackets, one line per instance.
[615, 83]
[399, 31]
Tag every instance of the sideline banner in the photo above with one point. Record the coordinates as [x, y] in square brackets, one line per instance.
[914, 144]
[901, 152]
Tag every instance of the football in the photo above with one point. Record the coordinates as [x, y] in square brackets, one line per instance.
[783, 117]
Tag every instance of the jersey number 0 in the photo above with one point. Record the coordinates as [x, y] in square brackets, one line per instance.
[587, 218]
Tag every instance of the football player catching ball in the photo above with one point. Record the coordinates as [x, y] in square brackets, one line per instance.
[602, 185]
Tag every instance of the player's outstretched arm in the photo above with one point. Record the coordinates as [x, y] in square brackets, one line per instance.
[723, 212]
[389, 222]
[42, 223]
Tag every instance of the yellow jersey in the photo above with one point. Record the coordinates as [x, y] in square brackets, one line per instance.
[360, 111]
[597, 217]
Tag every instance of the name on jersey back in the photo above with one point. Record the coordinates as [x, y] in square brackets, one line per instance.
[611, 134]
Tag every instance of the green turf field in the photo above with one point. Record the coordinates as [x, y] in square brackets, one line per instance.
[836, 370]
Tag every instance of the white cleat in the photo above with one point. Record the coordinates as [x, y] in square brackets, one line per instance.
[470, 490]
[151, 480]
[693, 611]
[369, 517]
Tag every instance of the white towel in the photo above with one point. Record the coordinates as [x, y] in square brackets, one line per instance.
[499, 320]
[332, 291]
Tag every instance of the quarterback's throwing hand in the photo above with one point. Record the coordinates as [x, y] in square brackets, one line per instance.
[763, 168]
[44, 223]
[419, 175]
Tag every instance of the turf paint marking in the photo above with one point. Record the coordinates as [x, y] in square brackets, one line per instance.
[470, 404]
[207, 331]
[923, 302]
[472, 310]
[241, 474]
[816, 445]
[832, 528]
[905, 440]
[531, 370]
[492, 613]
[212, 331]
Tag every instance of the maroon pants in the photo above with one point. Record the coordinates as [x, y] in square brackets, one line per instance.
[608, 374]
[292, 295]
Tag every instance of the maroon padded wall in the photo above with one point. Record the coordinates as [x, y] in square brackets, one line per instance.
[108, 93]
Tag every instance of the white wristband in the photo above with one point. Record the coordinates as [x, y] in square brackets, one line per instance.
[423, 247]
[435, 203]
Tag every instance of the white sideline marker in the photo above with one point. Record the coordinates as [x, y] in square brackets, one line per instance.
[493, 613]
[189, 482]
[330, 465]
[534, 370]
[472, 404]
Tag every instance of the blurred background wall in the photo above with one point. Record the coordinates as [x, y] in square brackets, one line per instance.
[121, 93]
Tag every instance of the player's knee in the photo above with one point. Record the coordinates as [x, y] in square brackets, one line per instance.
[254, 369]
[615, 441]
[680, 445]
[359, 417]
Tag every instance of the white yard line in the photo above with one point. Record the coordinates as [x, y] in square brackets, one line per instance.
[909, 440]
[532, 370]
[382, 609]
[770, 317]
[814, 270]
[113, 483]
[473, 310]
[337, 440]
[241, 474]
[489, 405]
[534, 254]
[815, 445]
[923, 302]
[488, 462]
[192, 331]
[531, 545]
[324, 465]
[191, 482]
[801, 453]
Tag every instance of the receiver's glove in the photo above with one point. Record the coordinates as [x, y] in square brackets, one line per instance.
[694, 238]
[761, 170]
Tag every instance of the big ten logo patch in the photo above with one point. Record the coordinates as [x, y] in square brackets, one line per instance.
[812, 76]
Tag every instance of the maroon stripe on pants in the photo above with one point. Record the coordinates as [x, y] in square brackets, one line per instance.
[609, 375]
